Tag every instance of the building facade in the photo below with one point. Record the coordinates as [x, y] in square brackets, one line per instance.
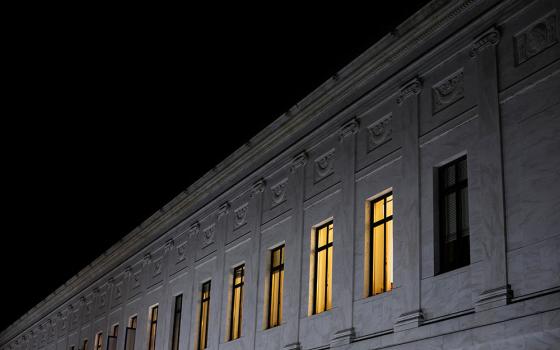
[411, 202]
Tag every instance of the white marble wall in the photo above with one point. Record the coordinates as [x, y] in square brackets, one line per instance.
[488, 86]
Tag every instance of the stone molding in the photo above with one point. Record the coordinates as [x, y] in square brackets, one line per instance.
[412, 88]
[298, 161]
[408, 320]
[481, 43]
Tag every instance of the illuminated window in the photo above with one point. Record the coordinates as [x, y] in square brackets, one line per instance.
[130, 336]
[153, 328]
[454, 247]
[204, 313]
[381, 245]
[237, 302]
[85, 345]
[99, 341]
[177, 322]
[115, 330]
[322, 276]
[276, 287]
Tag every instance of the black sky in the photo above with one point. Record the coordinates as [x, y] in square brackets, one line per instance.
[112, 112]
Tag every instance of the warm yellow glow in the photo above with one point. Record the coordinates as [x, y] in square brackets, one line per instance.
[323, 269]
[203, 325]
[381, 246]
[329, 278]
[389, 257]
[237, 313]
[276, 287]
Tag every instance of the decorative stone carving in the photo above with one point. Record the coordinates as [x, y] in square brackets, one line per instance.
[208, 235]
[169, 244]
[299, 161]
[258, 187]
[412, 88]
[194, 229]
[324, 165]
[157, 267]
[278, 192]
[118, 291]
[136, 280]
[181, 250]
[488, 39]
[240, 215]
[224, 209]
[448, 91]
[350, 128]
[379, 132]
[147, 259]
[536, 38]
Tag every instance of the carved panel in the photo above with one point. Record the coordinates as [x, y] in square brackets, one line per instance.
[536, 38]
[324, 166]
[208, 235]
[157, 267]
[136, 280]
[181, 252]
[278, 192]
[240, 215]
[448, 91]
[379, 132]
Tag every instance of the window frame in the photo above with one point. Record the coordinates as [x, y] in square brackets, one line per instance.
[462, 243]
[176, 327]
[206, 287]
[241, 270]
[316, 251]
[372, 225]
[152, 327]
[273, 269]
[98, 341]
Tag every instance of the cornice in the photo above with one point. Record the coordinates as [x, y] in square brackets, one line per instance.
[431, 19]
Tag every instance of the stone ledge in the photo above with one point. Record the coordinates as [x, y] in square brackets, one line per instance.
[408, 320]
[492, 298]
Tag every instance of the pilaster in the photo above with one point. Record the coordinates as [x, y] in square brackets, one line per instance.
[489, 238]
[407, 200]
[216, 291]
[343, 260]
[292, 265]
[252, 297]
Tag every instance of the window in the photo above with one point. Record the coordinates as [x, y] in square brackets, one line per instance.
[112, 339]
[454, 247]
[85, 344]
[99, 341]
[276, 287]
[177, 322]
[237, 302]
[381, 245]
[204, 313]
[323, 255]
[130, 333]
[153, 328]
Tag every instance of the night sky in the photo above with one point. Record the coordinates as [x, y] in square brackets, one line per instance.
[113, 112]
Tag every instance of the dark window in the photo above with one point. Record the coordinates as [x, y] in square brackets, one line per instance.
[116, 330]
[276, 287]
[85, 344]
[153, 328]
[204, 313]
[177, 322]
[454, 247]
[237, 302]
[322, 284]
[381, 245]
